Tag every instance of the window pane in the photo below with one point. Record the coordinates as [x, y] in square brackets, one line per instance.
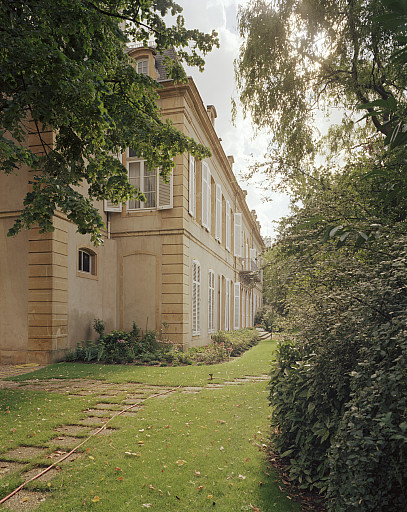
[85, 262]
[150, 188]
[134, 179]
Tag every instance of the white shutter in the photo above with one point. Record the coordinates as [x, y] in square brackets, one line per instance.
[209, 201]
[228, 226]
[211, 301]
[108, 206]
[218, 222]
[227, 304]
[238, 234]
[192, 186]
[196, 297]
[236, 314]
[205, 172]
[165, 192]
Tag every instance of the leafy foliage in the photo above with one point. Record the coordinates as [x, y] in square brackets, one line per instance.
[300, 59]
[65, 71]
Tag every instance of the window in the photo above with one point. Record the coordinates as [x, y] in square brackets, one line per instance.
[218, 212]
[238, 234]
[228, 229]
[196, 297]
[206, 196]
[142, 67]
[87, 262]
[192, 186]
[227, 304]
[211, 301]
[158, 194]
[236, 306]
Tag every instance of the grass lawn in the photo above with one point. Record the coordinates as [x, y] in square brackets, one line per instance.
[192, 452]
[253, 362]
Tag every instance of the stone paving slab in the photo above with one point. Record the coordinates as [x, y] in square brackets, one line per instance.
[25, 500]
[10, 467]
[24, 453]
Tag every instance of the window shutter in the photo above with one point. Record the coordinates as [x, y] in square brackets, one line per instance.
[218, 223]
[237, 306]
[108, 206]
[209, 209]
[227, 304]
[228, 226]
[165, 192]
[192, 186]
[238, 234]
[211, 301]
[196, 297]
[205, 171]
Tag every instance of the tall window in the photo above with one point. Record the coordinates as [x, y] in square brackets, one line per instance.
[238, 234]
[227, 305]
[228, 229]
[196, 297]
[218, 214]
[192, 186]
[158, 194]
[211, 301]
[206, 196]
[236, 306]
[142, 67]
[87, 262]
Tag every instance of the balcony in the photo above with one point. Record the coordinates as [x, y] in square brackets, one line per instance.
[250, 271]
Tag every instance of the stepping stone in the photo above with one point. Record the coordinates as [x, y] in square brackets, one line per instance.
[100, 413]
[134, 399]
[65, 441]
[24, 452]
[132, 412]
[73, 430]
[10, 467]
[232, 382]
[46, 477]
[107, 407]
[192, 389]
[25, 500]
[91, 421]
[215, 386]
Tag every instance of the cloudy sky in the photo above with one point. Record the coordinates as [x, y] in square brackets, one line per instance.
[216, 86]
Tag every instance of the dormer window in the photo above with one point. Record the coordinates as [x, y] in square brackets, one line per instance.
[142, 67]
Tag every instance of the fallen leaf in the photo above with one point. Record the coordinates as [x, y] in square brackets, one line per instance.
[117, 469]
[180, 462]
[197, 473]
[147, 505]
[200, 487]
[95, 499]
[241, 477]
[151, 486]
[133, 454]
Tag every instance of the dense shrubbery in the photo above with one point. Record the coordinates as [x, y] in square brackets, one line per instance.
[340, 393]
[131, 347]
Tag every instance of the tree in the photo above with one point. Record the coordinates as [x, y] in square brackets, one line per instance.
[301, 57]
[64, 69]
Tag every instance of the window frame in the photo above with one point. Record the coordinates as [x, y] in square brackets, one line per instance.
[211, 301]
[142, 62]
[159, 184]
[196, 298]
[218, 214]
[192, 187]
[92, 273]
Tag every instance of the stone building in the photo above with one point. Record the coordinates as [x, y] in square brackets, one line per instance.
[186, 261]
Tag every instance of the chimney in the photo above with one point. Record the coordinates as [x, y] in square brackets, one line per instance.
[212, 113]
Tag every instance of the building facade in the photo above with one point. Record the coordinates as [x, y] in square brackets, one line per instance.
[185, 262]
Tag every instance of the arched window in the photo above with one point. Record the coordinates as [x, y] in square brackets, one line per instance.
[87, 262]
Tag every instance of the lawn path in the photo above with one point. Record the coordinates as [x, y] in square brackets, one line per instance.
[195, 447]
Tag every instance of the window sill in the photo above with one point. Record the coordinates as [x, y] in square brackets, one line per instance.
[87, 275]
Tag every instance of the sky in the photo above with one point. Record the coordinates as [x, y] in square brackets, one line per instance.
[217, 86]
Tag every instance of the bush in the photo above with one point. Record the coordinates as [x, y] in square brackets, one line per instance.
[126, 347]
